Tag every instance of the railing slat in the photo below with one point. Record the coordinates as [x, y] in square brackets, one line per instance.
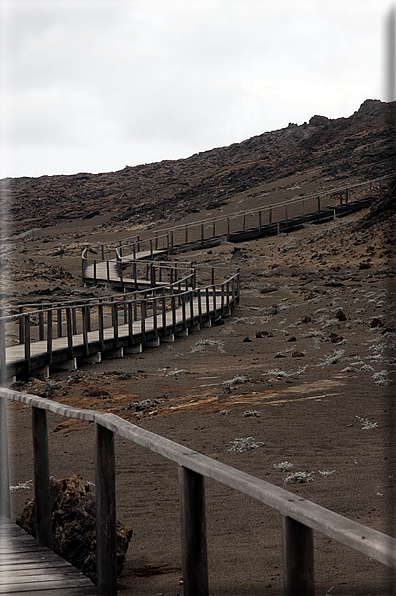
[43, 522]
[5, 508]
[105, 511]
[298, 559]
[193, 533]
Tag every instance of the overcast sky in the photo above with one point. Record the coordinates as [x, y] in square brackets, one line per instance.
[97, 85]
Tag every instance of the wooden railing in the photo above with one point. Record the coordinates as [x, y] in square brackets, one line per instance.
[109, 324]
[300, 516]
[137, 273]
[268, 218]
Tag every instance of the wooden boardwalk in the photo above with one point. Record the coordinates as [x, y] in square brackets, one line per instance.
[141, 323]
[28, 569]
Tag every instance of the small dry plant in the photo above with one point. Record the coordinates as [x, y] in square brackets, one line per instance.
[245, 444]
[299, 478]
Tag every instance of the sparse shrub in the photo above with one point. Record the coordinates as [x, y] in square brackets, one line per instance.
[249, 413]
[238, 380]
[326, 473]
[245, 444]
[299, 478]
[382, 378]
[283, 466]
[202, 343]
[366, 424]
[333, 358]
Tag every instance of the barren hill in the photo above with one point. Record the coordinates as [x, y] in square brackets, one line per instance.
[336, 149]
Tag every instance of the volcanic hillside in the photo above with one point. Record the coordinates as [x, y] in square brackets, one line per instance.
[359, 146]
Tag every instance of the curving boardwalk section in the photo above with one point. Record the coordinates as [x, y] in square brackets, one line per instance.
[68, 335]
[263, 221]
[27, 569]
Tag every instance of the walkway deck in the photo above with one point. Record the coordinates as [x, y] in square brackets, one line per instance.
[27, 569]
[126, 337]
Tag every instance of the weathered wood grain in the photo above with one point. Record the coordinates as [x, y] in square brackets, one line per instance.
[31, 570]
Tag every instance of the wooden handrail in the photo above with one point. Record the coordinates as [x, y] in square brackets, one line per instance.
[300, 516]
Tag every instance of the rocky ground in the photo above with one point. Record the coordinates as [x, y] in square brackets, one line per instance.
[302, 373]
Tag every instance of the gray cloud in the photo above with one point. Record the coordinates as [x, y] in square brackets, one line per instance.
[97, 85]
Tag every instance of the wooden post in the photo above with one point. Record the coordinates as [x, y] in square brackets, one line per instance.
[108, 271]
[228, 229]
[152, 275]
[69, 332]
[43, 524]
[100, 326]
[3, 374]
[125, 310]
[191, 298]
[41, 323]
[49, 336]
[186, 234]
[134, 251]
[5, 508]
[95, 262]
[105, 512]
[155, 317]
[199, 305]
[74, 319]
[163, 307]
[207, 300]
[270, 216]
[193, 533]
[244, 222]
[143, 315]
[151, 248]
[130, 320]
[346, 195]
[21, 323]
[134, 274]
[114, 320]
[156, 240]
[135, 309]
[27, 342]
[59, 322]
[173, 305]
[171, 241]
[202, 235]
[84, 312]
[102, 252]
[183, 305]
[298, 558]
[138, 243]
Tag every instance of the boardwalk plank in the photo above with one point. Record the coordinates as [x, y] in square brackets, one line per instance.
[29, 569]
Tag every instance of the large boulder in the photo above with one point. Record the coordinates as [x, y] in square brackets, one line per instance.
[74, 524]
